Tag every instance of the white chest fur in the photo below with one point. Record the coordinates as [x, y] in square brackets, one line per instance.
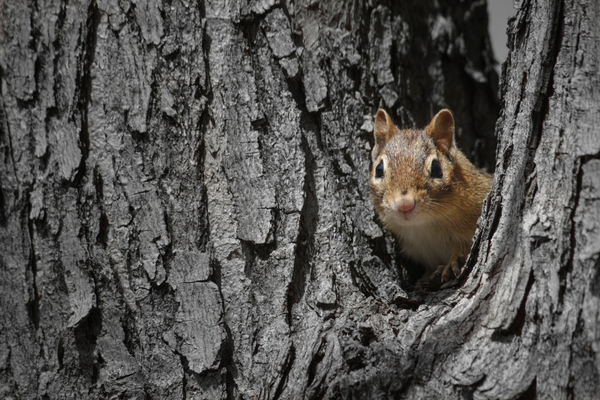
[429, 244]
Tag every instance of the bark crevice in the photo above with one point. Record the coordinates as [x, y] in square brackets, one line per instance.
[88, 44]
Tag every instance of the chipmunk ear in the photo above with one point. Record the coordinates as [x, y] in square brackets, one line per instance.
[441, 130]
[383, 131]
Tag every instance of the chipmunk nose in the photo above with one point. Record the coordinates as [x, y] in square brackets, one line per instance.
[405, 204]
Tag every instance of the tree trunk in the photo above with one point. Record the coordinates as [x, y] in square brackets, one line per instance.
[184, 209]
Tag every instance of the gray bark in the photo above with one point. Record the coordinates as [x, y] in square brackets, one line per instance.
[184, 209]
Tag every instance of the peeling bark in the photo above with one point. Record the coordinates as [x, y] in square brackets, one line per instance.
[184, 210]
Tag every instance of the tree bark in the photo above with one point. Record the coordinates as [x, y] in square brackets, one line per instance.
[184, 209]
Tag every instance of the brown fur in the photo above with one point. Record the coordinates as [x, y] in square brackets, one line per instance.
[446, 209]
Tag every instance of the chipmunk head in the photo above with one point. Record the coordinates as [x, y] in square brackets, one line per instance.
[413, 172]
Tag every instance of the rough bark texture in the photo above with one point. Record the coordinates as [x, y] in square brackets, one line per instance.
[184, 209]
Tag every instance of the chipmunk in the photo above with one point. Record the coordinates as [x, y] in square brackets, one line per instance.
[426, 192]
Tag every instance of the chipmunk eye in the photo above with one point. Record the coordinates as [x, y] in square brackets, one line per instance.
[379, 170]
[436, 169]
